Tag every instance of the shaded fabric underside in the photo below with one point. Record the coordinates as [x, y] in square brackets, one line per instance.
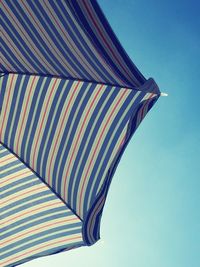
[71, 39]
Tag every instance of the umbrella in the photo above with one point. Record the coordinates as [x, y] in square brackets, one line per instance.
[70, 101]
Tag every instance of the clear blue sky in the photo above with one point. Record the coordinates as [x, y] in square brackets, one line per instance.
[152, 214]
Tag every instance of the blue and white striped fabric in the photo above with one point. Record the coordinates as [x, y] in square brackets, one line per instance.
[70, 100]
[69, 132]
[64, 38]
[34, 221]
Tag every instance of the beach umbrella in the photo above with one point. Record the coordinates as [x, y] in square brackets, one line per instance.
[70, 101]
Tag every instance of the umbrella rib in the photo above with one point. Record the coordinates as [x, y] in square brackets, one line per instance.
[74, 79]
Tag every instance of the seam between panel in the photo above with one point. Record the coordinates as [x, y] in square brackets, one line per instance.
[141, 88]
[67, 78]
[40, 178]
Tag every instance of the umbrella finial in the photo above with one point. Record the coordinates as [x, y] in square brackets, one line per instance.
[164, 94]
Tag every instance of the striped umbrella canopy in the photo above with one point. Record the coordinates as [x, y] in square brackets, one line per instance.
[70, 100]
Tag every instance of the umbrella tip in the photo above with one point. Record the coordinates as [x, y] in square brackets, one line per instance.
[164, 94]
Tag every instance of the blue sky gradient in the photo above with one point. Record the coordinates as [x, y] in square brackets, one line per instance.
[152, 214]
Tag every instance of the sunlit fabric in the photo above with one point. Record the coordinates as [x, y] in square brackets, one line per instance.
[34, 221]
[70, 100]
